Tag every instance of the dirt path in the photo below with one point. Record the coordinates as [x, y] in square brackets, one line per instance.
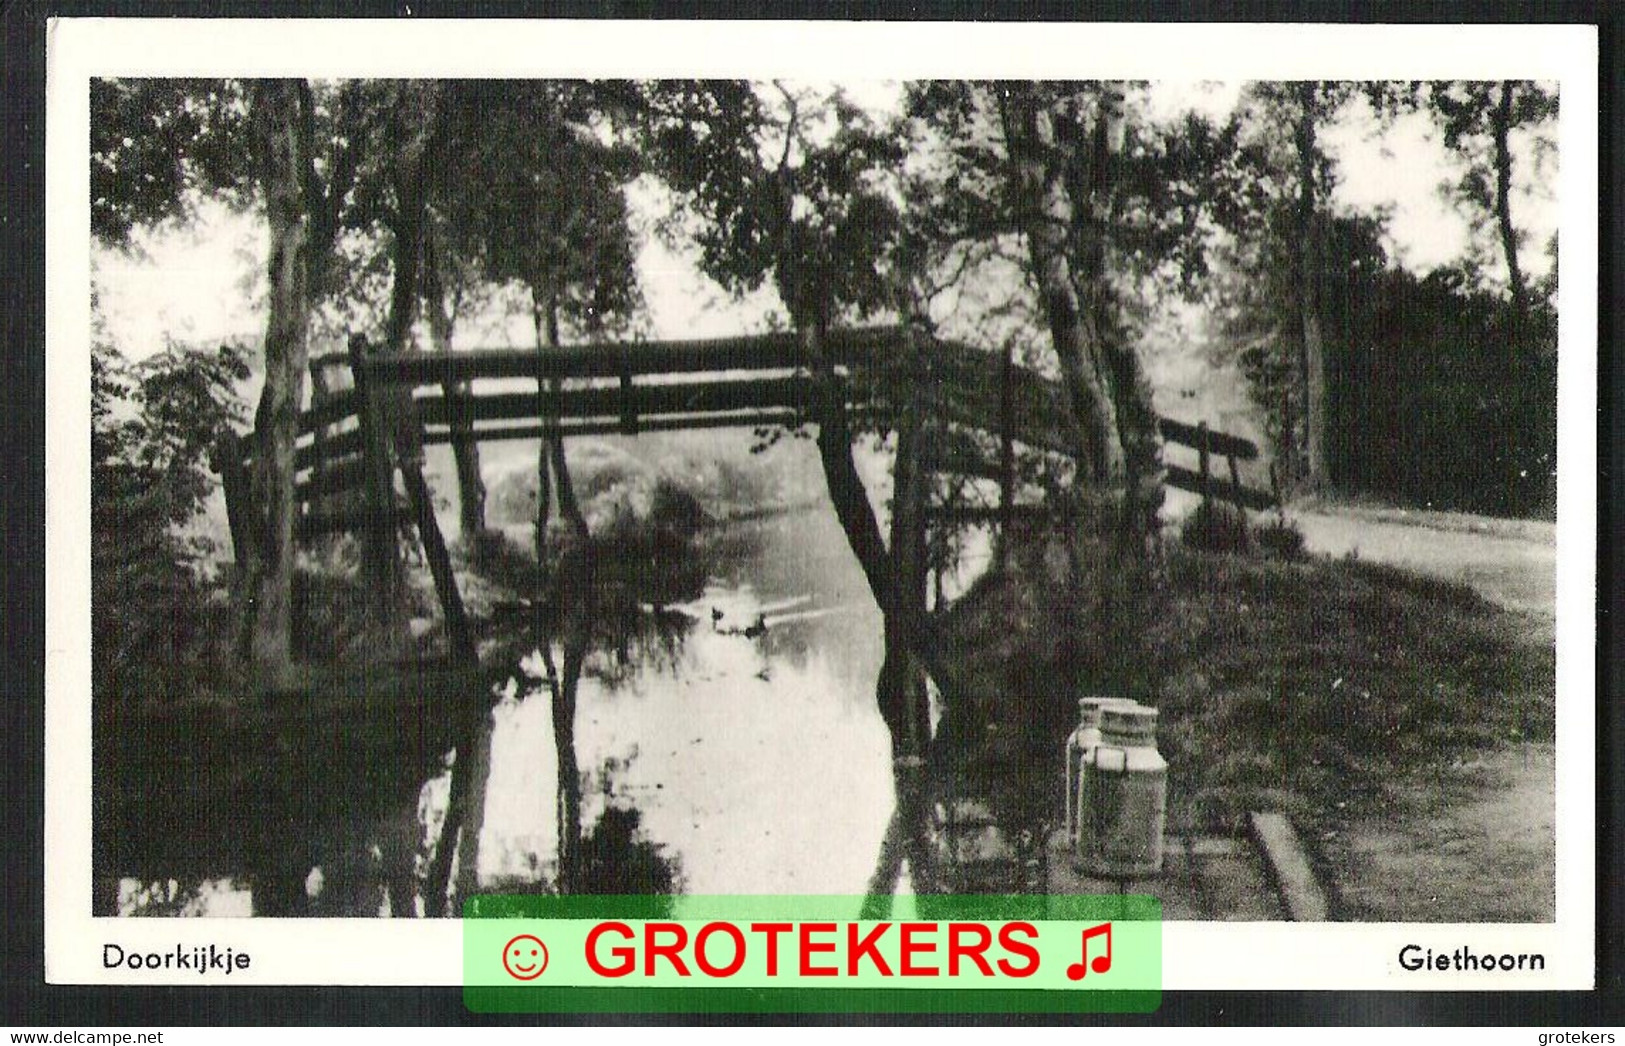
[1474, 844]
[1476, 841]
[1512, 563]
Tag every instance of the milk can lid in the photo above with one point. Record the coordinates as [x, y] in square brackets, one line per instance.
[1099, 701]
[1129, 724]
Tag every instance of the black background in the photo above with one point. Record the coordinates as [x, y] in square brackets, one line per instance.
[25, 1000]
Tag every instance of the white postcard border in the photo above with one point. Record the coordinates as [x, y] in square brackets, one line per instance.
[1196, 956]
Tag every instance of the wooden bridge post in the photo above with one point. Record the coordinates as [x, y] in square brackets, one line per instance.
[434, 549]
[472, 708]
[1202, 455]
[629, 410]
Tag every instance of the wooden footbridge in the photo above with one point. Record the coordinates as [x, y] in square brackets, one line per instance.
[630, 388]
[172, 811]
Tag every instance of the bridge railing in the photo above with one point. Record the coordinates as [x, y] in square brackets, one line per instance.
[1208, 443]
[752, 381]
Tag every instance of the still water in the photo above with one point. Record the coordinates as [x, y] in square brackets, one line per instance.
[742, 731]
[750, 745]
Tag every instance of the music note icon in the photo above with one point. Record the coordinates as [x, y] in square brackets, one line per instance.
[1078, 970]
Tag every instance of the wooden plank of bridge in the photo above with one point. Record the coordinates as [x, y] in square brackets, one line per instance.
[1207, 443]
[1002, 514]
[1246, 497]
[318, 443]
[753, 352]
[333, 445]
[334, 476]
[323, 388]
[980, 391]
[336, 408]
[971, 378]
[613, 401]
[610, 426]
[1289, 866]
[1217, 442]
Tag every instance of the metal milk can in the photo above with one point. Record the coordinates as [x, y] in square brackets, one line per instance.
[1127, 795]
[1080, 749]
[1080, 746]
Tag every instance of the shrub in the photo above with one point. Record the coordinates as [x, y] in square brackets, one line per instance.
[616, 858]
[152, 426]
[675, 511]
[1216, 527]
[1280, 537]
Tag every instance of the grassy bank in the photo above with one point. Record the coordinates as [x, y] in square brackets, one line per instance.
[1314, 687]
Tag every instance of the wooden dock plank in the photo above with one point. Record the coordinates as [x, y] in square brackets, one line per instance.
[1300, 891]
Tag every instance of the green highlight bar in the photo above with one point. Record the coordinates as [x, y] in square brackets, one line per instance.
[527, 953]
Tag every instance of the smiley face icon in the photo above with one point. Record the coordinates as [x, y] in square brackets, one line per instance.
[524, 957]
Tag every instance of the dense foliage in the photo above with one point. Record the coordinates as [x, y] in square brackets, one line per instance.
[1438, 394]
[153, 425]
[1066, 215]
[1465, 400]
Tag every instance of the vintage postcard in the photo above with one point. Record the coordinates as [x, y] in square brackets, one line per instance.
[837, 469]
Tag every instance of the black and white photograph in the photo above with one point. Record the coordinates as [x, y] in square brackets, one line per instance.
[875, 486]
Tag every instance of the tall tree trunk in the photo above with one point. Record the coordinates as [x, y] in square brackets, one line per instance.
[898, 577]
[283, 138]
[574, 605]
[1501, 128]
[806, 295]
[409, 178]
[1045, 214]
[473, 820]
[1007, 455]
[850, 499]
[1136, 414]
[386, 573]
[1311, 347]
[1142, 448]
[576, 610]
[406, 228]
[901, 688]
[465, 449]
[302, 218]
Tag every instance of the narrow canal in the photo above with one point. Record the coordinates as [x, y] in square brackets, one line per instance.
[731, 735]
[745, 736]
